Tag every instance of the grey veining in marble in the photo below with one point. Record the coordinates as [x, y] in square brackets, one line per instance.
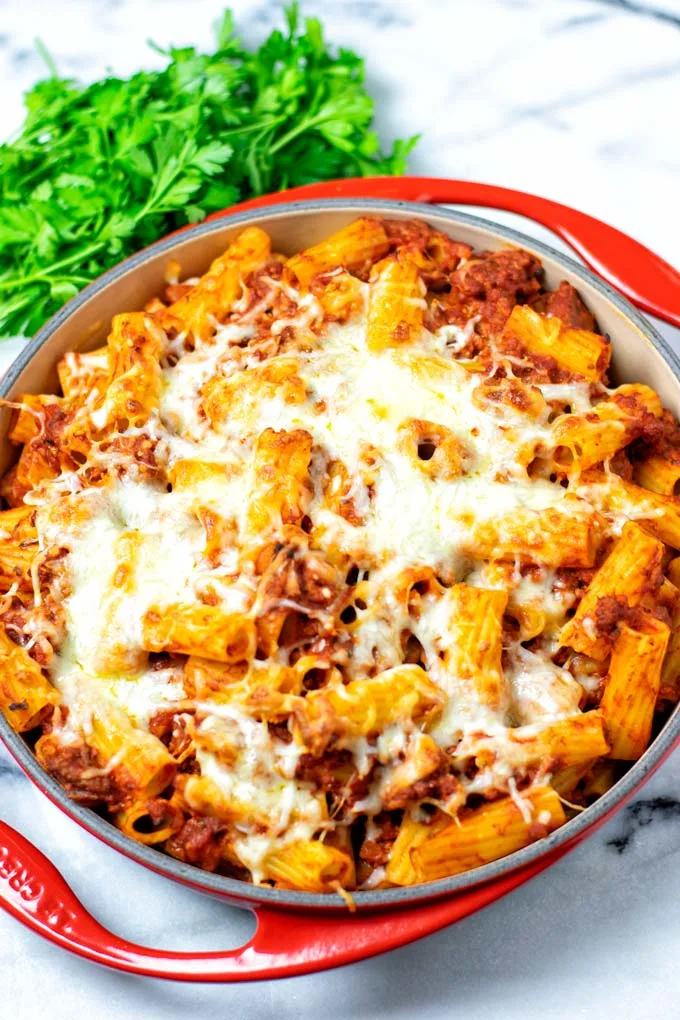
[573, 99]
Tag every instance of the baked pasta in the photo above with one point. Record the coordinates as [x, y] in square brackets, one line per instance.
[344, 570]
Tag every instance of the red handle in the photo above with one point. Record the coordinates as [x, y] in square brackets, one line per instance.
[284, 944]
[644, 278]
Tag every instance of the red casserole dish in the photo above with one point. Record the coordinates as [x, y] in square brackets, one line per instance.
[303, 932]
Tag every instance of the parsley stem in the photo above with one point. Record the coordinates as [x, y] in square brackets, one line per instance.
[303, 126]
[258, 126]
[47, 57]
[47, 274]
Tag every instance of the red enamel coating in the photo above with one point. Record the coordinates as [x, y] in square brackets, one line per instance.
[644, 278]
[287, 943]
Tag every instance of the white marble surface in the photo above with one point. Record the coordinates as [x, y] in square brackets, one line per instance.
[573, 99]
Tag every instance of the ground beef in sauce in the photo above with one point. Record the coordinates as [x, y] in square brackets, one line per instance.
[438, 786]
[458, 309]
[199, 842]
[376, 850]
[513, 272]
[565, 304]
[70, 765]
[613, 610]
[327, 771]
[620, 464]
[171, 727]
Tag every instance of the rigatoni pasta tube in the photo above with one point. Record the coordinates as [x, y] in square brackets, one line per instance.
[565, 781]
[310, 866]
[205, 797]
[670, 671]
[632, 686]
[365, 706]
[600, 778]
[657, 514]
[134, 386]
[26, 696]
[396, 304]
[187, 475]
[33, 467]
[339, 294]
[143, 764]
[225, 400]
[474, 640]
[27, 417]
[353, 247]
[658, 474]
[632, 569]
[601, 432]
[211, 299]
[497, 395]
[19, 523]
[113, 654]
[281, 483]
[400, 869]
[195, 629]
[576, 350]
[572, 741]
[15, 565]
[575, 740]
[487, 833]
[83, 376]
[238, 804]
[150, 823]
[446, 451]
[550, 538]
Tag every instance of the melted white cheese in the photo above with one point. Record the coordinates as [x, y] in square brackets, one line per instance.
[356, 405]
[260, 780]
[167, 550]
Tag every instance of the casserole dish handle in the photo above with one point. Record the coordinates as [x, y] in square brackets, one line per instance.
[285, 943]
[635, 271]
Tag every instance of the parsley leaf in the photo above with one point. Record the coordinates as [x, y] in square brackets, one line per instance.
[99, 171]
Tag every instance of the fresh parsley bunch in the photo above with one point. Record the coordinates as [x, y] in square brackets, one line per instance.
[100, 171]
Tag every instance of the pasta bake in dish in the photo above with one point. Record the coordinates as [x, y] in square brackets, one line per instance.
[344, 570]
